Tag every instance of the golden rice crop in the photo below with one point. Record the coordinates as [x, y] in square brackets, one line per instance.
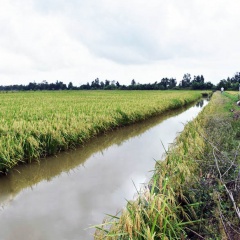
[37, 124]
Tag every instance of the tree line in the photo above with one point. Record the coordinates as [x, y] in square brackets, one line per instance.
[187, 82]
[230, 83]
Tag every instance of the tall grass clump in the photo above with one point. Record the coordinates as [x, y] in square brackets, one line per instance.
[194, 192]
[38, 124]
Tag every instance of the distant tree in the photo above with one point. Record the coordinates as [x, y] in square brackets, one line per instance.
[32, 86]
[88, 86]
[113, 83]
[172, 83]
[43, 85]
[164, 82]
[107, 82]
[102, 85]
[236, 78]
[59, 85]
[208, 85]
[223, 83]
[85, 86]
[70, 86]
[95, 84]
[186, 81]
[198, 82]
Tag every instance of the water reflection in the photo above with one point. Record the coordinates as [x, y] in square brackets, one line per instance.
[61, 196]
[199, 103]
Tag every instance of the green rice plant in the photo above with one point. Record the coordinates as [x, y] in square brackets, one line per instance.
[153, 215]
[38, 124]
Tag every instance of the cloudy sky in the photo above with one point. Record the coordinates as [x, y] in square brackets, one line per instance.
[80, 40]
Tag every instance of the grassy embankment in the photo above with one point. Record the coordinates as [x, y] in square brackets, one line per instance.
[38, 124]
[195, 192]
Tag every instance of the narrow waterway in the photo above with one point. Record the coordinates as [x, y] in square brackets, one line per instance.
[61, 197]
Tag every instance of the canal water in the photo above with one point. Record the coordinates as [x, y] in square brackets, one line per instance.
[61, 197]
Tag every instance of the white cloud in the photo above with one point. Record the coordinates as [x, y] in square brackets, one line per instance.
[146, 40]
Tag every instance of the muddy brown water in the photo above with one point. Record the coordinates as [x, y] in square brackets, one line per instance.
[61, 197]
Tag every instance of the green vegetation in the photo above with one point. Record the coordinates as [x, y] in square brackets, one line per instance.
[195, 192]
[37, 124]
[187, 83]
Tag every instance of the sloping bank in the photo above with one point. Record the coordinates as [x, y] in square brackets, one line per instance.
[195, 192]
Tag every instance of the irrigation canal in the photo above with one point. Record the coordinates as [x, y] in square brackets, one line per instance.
[61, 197]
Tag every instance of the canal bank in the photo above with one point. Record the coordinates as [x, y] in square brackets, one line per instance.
[195, 192]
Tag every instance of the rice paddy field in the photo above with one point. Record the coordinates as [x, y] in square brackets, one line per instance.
[38, 124]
